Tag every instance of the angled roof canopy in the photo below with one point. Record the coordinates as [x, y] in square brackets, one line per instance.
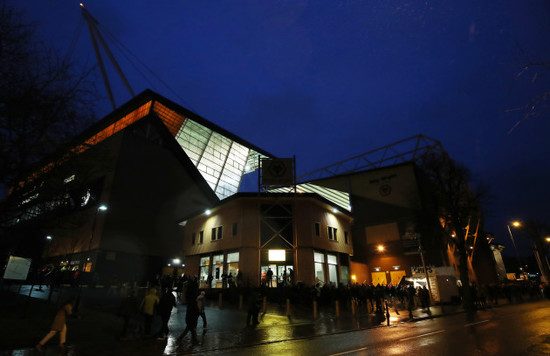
[221, 157]
[411, 149]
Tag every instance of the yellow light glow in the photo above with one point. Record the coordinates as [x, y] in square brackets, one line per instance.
[353, 277]
[516, 223]
[548, 239]
[381, 248]
[276, 255]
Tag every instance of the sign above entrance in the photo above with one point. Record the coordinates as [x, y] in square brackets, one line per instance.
[276, 255]
[277, 171]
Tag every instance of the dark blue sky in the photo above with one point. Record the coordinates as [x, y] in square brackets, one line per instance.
[327, 80]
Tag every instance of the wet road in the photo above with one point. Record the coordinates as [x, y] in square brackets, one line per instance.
[510, 329]
[522, 329]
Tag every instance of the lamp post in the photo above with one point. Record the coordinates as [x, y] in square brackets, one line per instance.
[99, 208]
[515, 224]
[102, 207]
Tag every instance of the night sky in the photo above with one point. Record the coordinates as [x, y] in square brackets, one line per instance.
[326, 80]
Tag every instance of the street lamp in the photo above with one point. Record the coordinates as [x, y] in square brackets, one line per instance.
[102, 207]
[515, 224]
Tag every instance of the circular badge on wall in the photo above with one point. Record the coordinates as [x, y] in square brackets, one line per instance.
[384, 190]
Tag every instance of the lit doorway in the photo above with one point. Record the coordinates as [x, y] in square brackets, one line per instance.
[278, 274]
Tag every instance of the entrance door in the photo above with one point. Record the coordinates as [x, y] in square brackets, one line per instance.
[281, 274]
[264, 279]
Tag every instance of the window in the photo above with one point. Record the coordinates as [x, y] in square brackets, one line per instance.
[332, 269]
[233, 264]
[193, 238]
[204, 271]
[319, 262]
[216, 233]
[234, 229]
[332, 233]
[346, 240]
[317, 229]
[201, 237]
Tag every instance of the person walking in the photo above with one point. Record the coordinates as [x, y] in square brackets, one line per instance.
[253, 305]
[59, 324]
[200, 305]
[269, 278]
[166, 303]
[192, 313]
[148, 306]
[128, 310]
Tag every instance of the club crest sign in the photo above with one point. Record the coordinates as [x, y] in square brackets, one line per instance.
[277, 171]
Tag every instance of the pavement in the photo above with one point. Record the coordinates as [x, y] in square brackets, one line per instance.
[26, 314]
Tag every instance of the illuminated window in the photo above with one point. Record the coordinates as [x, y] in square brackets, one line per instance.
[233, 263]
[220, 160]
[319, 260]
[204, 271]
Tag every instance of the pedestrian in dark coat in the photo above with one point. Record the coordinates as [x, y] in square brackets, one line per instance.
[192, 313]
[253, 308]
[166, 303]
[128, 310]
[200, 304]
[59, 324]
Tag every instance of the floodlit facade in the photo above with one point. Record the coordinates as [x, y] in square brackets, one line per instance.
[149, 163]
[303, 235]
[386, 194]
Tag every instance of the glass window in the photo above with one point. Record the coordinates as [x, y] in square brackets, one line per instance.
[317, 229]
[204, 271]
[319, 272]
[232, 257]
[233, 266]
[192, 238]
[331, 259]
[319, 257]
[346, 237]
[333, 274]
[217, 233]
[332, 233]
[201, 237]
[217, 264]
[234, 229]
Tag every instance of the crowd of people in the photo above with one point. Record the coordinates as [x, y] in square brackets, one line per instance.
[139, 309]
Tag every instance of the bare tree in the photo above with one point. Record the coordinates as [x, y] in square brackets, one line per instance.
[44, 100]
[538, 231]
[539, 105]
[456, 209]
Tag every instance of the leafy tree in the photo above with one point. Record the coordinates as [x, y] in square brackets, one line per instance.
[43, 100]
[457, 209]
